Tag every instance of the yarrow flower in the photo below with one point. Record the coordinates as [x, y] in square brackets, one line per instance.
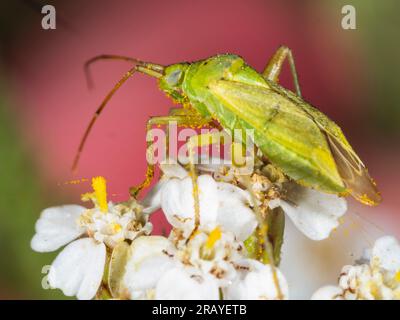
[221, 204]
[234, 254]
[211, 266]
[378, 278]
[214, 262]
[79, 268]
[227, 195]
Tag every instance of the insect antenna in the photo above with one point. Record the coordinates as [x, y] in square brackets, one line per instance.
[150, 69]
[88, 63]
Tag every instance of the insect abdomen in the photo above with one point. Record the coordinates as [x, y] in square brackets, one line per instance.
[284, 133]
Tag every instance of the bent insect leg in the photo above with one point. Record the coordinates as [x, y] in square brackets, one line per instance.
[203, 140]
[181, 120]
[265, 249]
[274, 67]
[194, 142]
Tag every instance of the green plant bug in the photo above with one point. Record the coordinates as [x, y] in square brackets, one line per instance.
[295, 137]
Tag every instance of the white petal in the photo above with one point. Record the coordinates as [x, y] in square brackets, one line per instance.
[257, 283]
[146, 276]
[148, 246]
[327, 293]
[229, 191]
[149, 260]
[309, 265]
[56, 227]
[315, 213]
[181, 284]
[178, 204]
[274, 203]
[78, 269]
[234, 215]
[152, 200]
[173, 170]
[387, 250]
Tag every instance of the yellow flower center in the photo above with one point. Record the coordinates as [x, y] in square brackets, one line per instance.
[100, 192]
[397, 276]
[116, 227]
[213, 237]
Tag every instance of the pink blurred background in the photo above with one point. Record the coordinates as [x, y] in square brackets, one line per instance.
[47, 85]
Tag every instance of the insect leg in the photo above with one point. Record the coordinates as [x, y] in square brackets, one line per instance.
[264, 244]
[193, 176]
[181, 120]
[194, 142]
[274, 67]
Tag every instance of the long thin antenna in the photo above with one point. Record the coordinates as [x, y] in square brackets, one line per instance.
[98, 112]
[88, 63]
[151, 69]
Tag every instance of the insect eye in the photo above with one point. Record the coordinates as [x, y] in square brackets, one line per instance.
[174, 77]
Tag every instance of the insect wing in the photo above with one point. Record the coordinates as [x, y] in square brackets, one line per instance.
[351, 169]
[287, 135]
[353, 172]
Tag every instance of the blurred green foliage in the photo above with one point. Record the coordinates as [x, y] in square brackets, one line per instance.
[21, 201]
[378, 32]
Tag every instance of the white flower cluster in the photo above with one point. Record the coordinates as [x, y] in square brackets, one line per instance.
[111, 253]
[209, 267]
[376, 279]
[78, 269]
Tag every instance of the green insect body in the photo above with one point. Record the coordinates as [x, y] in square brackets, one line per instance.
[293, 135]
[296, 137]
